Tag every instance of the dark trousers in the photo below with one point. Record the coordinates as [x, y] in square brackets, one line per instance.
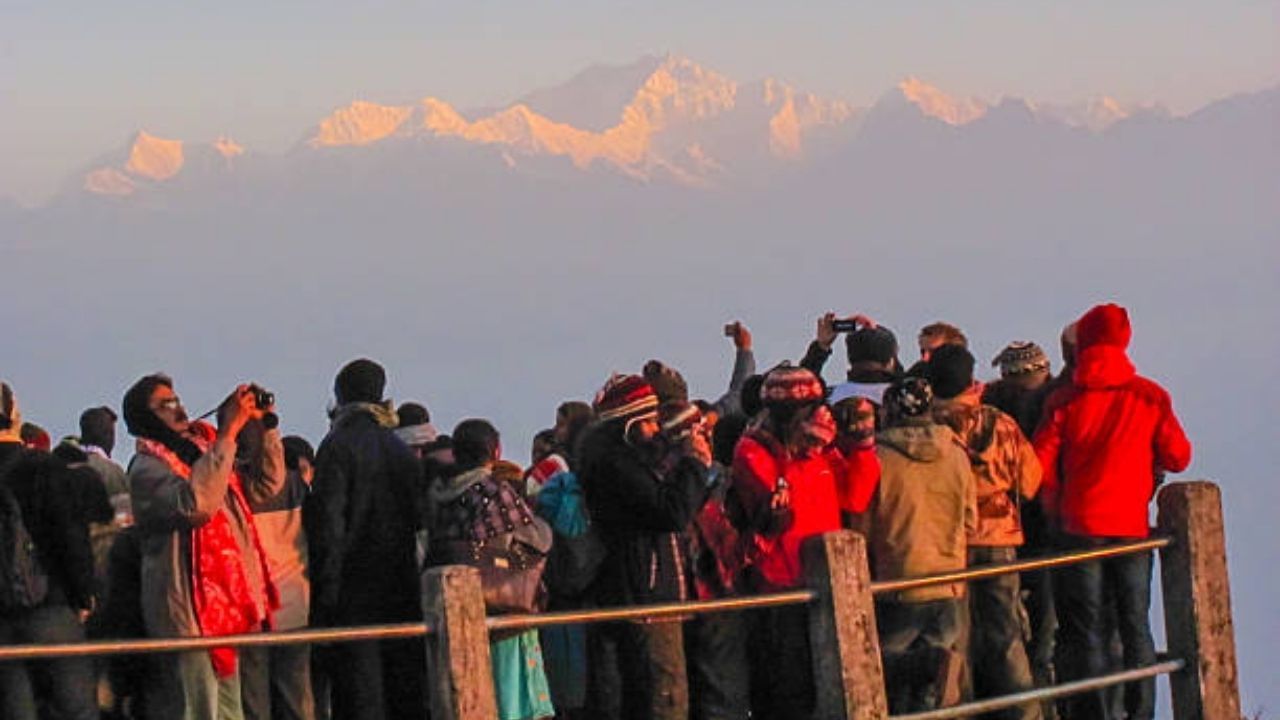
[275, 682]
[1037, 593]
[1084, 594]
[781, 663]
[716, 649]
[913, 637]
[377, 680]
[637, 671]
[65, 687]
[996, 653]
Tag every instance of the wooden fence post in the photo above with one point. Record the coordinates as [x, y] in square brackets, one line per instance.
[842, 629]
[1197, 602]
[459, 670]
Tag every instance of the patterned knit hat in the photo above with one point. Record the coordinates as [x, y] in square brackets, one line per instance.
[678, 417]
[1021, 357]
[909, 397]
[788, 385]
[625, 396]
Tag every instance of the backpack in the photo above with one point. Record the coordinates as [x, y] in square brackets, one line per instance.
[492, 529]
[24, 584]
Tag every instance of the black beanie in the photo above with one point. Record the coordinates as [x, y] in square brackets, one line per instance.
[950, 370]
[871, 344]
[360, 380]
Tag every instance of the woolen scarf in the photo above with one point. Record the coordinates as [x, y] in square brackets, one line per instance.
[223, 601]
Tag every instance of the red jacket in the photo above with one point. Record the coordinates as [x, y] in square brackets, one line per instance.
[1102, 439]
[820, 487]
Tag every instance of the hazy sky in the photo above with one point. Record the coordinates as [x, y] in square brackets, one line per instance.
[77, 78]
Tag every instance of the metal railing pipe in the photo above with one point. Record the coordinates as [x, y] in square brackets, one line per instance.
[159, 645]
[1047, 693]
[988, 571]
[647, 612]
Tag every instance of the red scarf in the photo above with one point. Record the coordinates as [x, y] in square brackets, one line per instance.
[224, 603]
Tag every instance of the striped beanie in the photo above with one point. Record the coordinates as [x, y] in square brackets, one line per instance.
[678, 417]
[789, 385]
[626, 397]
[1020, 358]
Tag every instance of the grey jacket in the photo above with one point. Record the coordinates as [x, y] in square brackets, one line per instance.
[167, 507]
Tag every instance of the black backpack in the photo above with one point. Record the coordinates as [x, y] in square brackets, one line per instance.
[23, 581]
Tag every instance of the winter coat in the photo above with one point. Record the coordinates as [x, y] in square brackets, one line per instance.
[1102, 441]
[166, 507]
[925, 507]
[279, 521]
[640, 515]
[361, 518]
[51, 499]
[820, 485]
[1005, 468]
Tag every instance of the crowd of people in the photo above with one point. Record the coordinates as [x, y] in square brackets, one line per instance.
[643, 495]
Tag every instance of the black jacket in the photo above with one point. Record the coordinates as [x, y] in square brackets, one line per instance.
[361, 521]
[640, 516]
[57, 506]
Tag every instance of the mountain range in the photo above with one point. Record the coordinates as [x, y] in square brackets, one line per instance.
[664, 120]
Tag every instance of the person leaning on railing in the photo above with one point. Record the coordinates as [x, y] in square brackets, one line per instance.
[1102, 442]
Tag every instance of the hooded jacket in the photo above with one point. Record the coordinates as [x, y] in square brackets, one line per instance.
[1104, 438]
[1005, 468]
[925, 507]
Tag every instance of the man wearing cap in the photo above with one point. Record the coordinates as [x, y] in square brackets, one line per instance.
[361, 518]
[924, 509]
[638, 670]
[792, 483]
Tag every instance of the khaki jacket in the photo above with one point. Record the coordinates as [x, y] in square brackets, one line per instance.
[924, 508]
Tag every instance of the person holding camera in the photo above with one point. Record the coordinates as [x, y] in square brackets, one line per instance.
[204, 572]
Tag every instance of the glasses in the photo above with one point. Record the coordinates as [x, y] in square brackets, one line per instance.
[169, 403]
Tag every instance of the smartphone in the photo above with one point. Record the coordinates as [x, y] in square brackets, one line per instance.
[844, 326]
[731, 329]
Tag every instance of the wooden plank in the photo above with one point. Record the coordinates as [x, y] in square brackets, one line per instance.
[459, 669]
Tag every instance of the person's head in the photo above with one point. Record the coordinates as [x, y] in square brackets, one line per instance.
[98, 428]
[440, 452]
[935, 335]
[1068, 343]
[855, 419]
[1023, 363]
[875, 347]
[789, 394]
[906, 399]
[678, 419]
[299, 457]
[10, 414]
[152, 409]
[572, 417]
[1104, 325]
[950, 371]
[475, 444]
[415, 427]
[710, 416]
[666, 381]
[628, 404]
[35, 437]
[360, 380]
[544, 444]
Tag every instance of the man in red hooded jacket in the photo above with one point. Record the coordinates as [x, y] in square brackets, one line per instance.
[1102, 443]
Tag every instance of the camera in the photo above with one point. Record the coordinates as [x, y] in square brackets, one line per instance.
[844, 326]
[263, 399]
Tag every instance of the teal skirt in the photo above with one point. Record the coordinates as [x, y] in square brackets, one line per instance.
[520, 678]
